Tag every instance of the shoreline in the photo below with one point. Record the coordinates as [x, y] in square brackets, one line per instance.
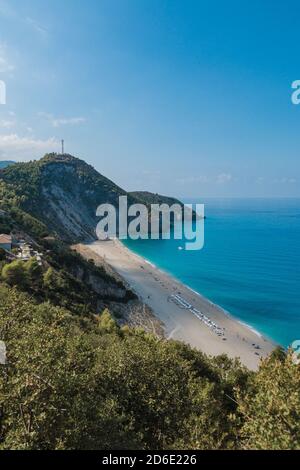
[186, 315]
[226, 312]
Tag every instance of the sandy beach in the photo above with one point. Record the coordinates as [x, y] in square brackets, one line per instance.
[186, 315]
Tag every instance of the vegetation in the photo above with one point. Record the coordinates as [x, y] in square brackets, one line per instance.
[65, 279]
[75, 380]
[74, 383]
[151, 198]
[271, 406]
[70, 281]
[2, 254]
[5, 163]
[29, 185]
[15, 274]
[75, 189]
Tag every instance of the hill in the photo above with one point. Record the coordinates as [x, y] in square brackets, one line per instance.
[63, 193]
[75, 378]
[153, 198]
[5, 163]
[31, 210]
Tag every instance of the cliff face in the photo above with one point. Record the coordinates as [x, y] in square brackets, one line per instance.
[69, 201]
[64, 192]
[52, 201]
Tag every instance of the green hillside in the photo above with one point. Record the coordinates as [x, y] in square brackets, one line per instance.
[79, 375]
[5, 163]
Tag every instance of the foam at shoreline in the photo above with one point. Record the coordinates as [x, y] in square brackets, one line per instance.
[224, 311]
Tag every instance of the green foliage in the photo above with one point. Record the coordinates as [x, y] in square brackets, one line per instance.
[2, 254]
[107, 323]
[78, 278]
[279, 353]
[6, 225]
[29, 186]
[34, 272]
[15, 217]
[53, 281]
[23, 186]
[5, 163]
[15, 274]
[51, 393]
[29, 224]
[148, 198]
[24, 179]
[270, 406]
[75, 380]
[71, 384]
[24, 275]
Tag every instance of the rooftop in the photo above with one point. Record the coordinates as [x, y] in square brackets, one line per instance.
[5, 238]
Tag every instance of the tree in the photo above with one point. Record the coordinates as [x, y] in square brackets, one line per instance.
[2, 254]
[278, 353]
[34, 271]
[15, 274]
[51, 394]
[52, 280]
[75, 382]
[270, 406]
[107, 323]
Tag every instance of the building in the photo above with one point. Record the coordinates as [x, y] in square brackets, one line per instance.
[5, 242]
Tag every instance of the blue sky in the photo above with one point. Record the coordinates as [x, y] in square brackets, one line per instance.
[187, 98]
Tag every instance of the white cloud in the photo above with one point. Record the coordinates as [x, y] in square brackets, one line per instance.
[67, 121]
[13, 145]
[36, 26]
[7, 123]
[10, 13]
[62, 121]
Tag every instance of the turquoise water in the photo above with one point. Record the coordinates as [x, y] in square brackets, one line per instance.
[250, 264]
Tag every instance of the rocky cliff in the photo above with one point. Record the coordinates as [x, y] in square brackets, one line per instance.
[64, 192]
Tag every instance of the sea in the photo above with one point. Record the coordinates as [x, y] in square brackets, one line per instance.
[249, 264]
